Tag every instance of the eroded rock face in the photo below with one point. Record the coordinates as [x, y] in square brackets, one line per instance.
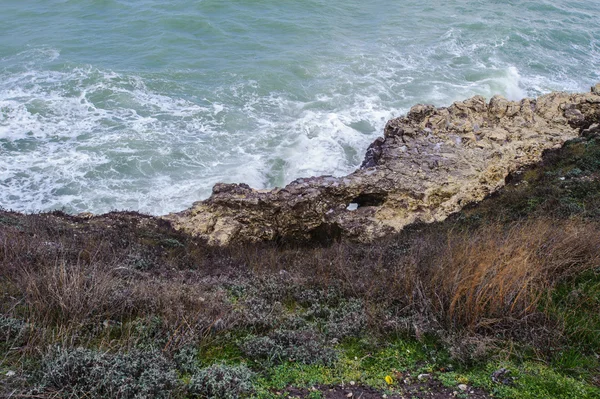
[429, 164]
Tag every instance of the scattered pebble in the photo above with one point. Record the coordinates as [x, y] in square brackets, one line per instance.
[422, 377]
[349, 395]
[10, 373]
[463, 387]
[502, 376]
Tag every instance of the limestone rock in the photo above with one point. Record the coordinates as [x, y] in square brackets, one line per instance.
[428, 165]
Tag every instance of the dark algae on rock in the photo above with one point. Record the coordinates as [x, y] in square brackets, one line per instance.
[497, 295]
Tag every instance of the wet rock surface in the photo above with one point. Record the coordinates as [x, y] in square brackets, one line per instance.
[429, 164]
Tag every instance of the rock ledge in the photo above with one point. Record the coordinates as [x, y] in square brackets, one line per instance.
[428, 165]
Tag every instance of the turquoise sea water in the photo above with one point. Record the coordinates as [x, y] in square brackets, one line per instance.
[145, 104]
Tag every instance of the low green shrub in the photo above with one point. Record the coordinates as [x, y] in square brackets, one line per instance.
[347, 320]
[12, 329]
[260, 313]
[84, 372]
[303, 346]
[221, 382]
[186, 359]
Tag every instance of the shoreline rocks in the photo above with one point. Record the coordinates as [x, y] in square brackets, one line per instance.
[429, 164]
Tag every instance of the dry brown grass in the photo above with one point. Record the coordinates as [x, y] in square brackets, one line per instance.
[72, 293]
[504, 273]
[448, 278]
[69, 279]
[80, 284]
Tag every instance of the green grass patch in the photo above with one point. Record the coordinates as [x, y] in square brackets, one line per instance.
[530, 380]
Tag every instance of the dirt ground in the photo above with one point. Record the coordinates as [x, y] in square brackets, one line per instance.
[427, 389]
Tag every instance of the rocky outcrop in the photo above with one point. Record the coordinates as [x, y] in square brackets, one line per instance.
[428, 165]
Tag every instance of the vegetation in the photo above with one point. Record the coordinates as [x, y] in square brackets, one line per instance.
[502, 299]
[83, 372]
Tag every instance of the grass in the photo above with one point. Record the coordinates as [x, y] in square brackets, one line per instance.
[531, 380]
[406, 359]
[513, 283]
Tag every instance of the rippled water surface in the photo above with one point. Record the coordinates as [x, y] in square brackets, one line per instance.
[145, 104]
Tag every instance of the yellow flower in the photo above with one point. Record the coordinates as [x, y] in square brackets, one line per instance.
[462, 379]
[389, 379]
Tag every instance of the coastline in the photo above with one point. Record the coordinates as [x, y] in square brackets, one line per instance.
[500, 300]
[428, 165]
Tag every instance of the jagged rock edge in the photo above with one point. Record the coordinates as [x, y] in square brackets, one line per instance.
[429, 164]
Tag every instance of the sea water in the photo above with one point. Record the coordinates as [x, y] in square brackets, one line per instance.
[146, 104]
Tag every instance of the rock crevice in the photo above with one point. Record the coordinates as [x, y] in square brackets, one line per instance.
[429, 164]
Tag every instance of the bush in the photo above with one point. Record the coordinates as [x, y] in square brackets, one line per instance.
[221, 382]
[303, 346]
[261, 313]
[12, 329]
[348, 319]
[186, 359]
[84, 372]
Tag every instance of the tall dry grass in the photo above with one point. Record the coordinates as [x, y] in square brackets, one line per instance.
[71, 293]
[494, 279]
[77, 284]
[500, 273]
[446, 277]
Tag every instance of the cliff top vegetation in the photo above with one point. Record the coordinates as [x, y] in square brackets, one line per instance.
[502, 299]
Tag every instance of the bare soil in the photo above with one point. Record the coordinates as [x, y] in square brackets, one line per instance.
[430, 389]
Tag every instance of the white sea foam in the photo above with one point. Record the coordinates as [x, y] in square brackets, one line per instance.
[95, 140]
[88, 138]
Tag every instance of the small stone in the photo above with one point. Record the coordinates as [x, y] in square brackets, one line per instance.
[349, 395]
[85, 215]
[422, 377]
[10, 373]
[352, 383]
[384, 396]
[463, 387]
[499, 374]
[594, 129]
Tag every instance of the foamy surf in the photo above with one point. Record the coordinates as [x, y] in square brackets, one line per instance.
[149, 117]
